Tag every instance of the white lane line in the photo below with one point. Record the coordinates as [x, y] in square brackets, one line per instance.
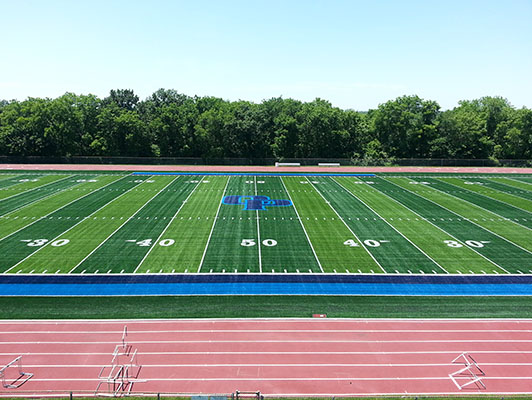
[261, 379]
[436, 226]
[69, 229]
[212, 227]
[57, 209]
[467, 218]
[169, 223]
[259, 243]
[400, 233]
[121, 225]
[203, 365]
[302, 225]
[347, 226]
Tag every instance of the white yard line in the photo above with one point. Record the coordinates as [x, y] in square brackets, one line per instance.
[347, 226]
[383, 219]
[57, 209]
[169, 223]
[467, 218]
[69, 229]
[259, 243]
[121, 225]
[213, 224]
[302, 225]
[32, 189]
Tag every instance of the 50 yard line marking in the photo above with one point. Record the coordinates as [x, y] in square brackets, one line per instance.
[213, 224]
[69, 229]
[169, 223]
[121, 225]
[437, 227]
[63, 206]
[400, 233]
[302, 226]
[467, 218]
[347, 226]
[258, 227]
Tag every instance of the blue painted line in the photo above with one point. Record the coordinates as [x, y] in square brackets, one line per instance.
[199, 173]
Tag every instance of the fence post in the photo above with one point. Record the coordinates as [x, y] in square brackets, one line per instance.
[70, 396]
[158, 396]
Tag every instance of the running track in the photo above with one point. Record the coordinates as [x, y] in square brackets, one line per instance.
[330, 357]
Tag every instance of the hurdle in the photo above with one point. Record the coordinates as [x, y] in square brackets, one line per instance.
[20, 379]
[471, 372]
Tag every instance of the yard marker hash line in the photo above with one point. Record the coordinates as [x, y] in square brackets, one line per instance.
[212, 227]
[393, 227]
[63, 206]
[467, 218]
[72, 227]
[121, 225]
[444, 231]
[302, 225]
[347, 226]
[168, 224]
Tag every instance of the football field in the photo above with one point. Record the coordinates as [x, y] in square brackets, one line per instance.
[113, 223]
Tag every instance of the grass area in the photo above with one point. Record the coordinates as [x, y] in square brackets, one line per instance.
[182, 224]
[264, 307]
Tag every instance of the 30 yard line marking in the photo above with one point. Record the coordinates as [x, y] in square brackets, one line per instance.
[400, 233]
[63, 206]
[69, 229]
[213, 224]
[168, 224]
[121, 225]
[39, 199]
[347, 226]
[436, 226]
[491, 198]
[258, 227]
[467, 218]
[302, 225]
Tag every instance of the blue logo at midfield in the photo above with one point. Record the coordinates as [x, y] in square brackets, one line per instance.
[255, 202]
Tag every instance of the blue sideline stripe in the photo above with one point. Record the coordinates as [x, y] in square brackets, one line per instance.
[250, 174]
[266, 288]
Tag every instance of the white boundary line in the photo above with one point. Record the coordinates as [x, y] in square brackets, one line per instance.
[170, 222]
[259, 243]
[347, 226]
[72, 227]
[436, 226]
[302, 225]
[63, 206]
[121, 225]
[464, 217]
[213, 224]
[412, 243]
[488, 197]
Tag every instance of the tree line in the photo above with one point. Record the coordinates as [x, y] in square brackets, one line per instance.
[171, 124]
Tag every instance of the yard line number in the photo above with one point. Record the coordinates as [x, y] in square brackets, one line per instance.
[471, 243]
[42, 242]
[367, 242]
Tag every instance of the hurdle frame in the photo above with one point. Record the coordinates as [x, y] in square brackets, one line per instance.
[17, 382]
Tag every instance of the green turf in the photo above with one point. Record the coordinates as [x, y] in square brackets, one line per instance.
[88, 223]
[264, 307]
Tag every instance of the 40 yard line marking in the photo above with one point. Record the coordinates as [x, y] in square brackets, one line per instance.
[57, 209]
[121, 225]
[302, 225]
[167, 225]
[436, 226]
[347, 226]
[412, 243]
[69, 229]
[467, 218]
[213, 224]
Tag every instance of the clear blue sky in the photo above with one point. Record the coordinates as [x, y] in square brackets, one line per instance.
[355, 54]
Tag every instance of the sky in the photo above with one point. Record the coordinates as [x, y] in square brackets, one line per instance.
[355, 54]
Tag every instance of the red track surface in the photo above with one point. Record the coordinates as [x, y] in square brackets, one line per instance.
[278, 357]
[232, 168]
